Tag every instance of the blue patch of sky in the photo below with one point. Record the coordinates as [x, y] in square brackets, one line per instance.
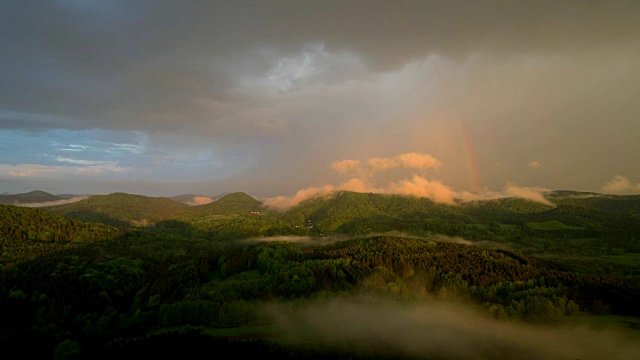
[125, 149]
[61, 147]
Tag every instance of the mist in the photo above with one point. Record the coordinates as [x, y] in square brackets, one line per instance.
[199, 200]
[56, 202]
[443, 330]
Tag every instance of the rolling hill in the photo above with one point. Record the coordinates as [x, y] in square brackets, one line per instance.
[26, 232]
[121, 209]
[575, 215]
[234, 203]
[36, 196]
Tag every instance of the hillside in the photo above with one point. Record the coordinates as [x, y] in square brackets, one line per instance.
[121, 209]
[28, 232]
[30, 197]
[578, 224]
[212, 269]
[353, 212]
[234, 203]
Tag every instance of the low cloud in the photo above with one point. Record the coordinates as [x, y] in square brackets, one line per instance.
[536, 194]
[286, 202]
[421, 187]
[412, 160]
[529, 193]
[534, 164]
[56, 202]
[199, 200]
[621, 185]
[417, 185]
[444, 330]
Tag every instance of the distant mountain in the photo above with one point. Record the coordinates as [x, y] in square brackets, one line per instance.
[121, 209]
[36, 196]
[234, 203]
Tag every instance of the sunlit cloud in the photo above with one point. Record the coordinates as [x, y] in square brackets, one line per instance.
[407, 160]
[529, 193]
[27, 170]
[621, 185]
[416, 185]
[199, 200]
[37, 170]
[535, 164]
[284, 202]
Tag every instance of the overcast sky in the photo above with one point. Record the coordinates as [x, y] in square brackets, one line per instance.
[170, 97]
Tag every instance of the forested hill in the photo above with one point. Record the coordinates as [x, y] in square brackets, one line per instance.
[121, 209]
[26, 233]
[30, 197]
[577, 214]
[234, 203]
[354, 212]
[612, 219]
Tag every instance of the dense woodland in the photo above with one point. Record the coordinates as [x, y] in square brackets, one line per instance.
[119, 275]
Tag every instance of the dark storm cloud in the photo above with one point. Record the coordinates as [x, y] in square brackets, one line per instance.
[142, 65]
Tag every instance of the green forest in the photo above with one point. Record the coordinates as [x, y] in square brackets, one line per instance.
[125, 276]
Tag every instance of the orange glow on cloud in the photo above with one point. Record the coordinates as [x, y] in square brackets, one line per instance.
[417, 185]
[621, 185]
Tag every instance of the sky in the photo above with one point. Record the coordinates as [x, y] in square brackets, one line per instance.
[286, 99]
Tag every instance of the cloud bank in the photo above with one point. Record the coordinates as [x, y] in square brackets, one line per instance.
[418, 185]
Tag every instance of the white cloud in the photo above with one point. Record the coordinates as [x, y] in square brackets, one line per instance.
[621, 185]
[535, 164]
[79, 161]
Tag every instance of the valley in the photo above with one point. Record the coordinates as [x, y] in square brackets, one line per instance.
[112, 274]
